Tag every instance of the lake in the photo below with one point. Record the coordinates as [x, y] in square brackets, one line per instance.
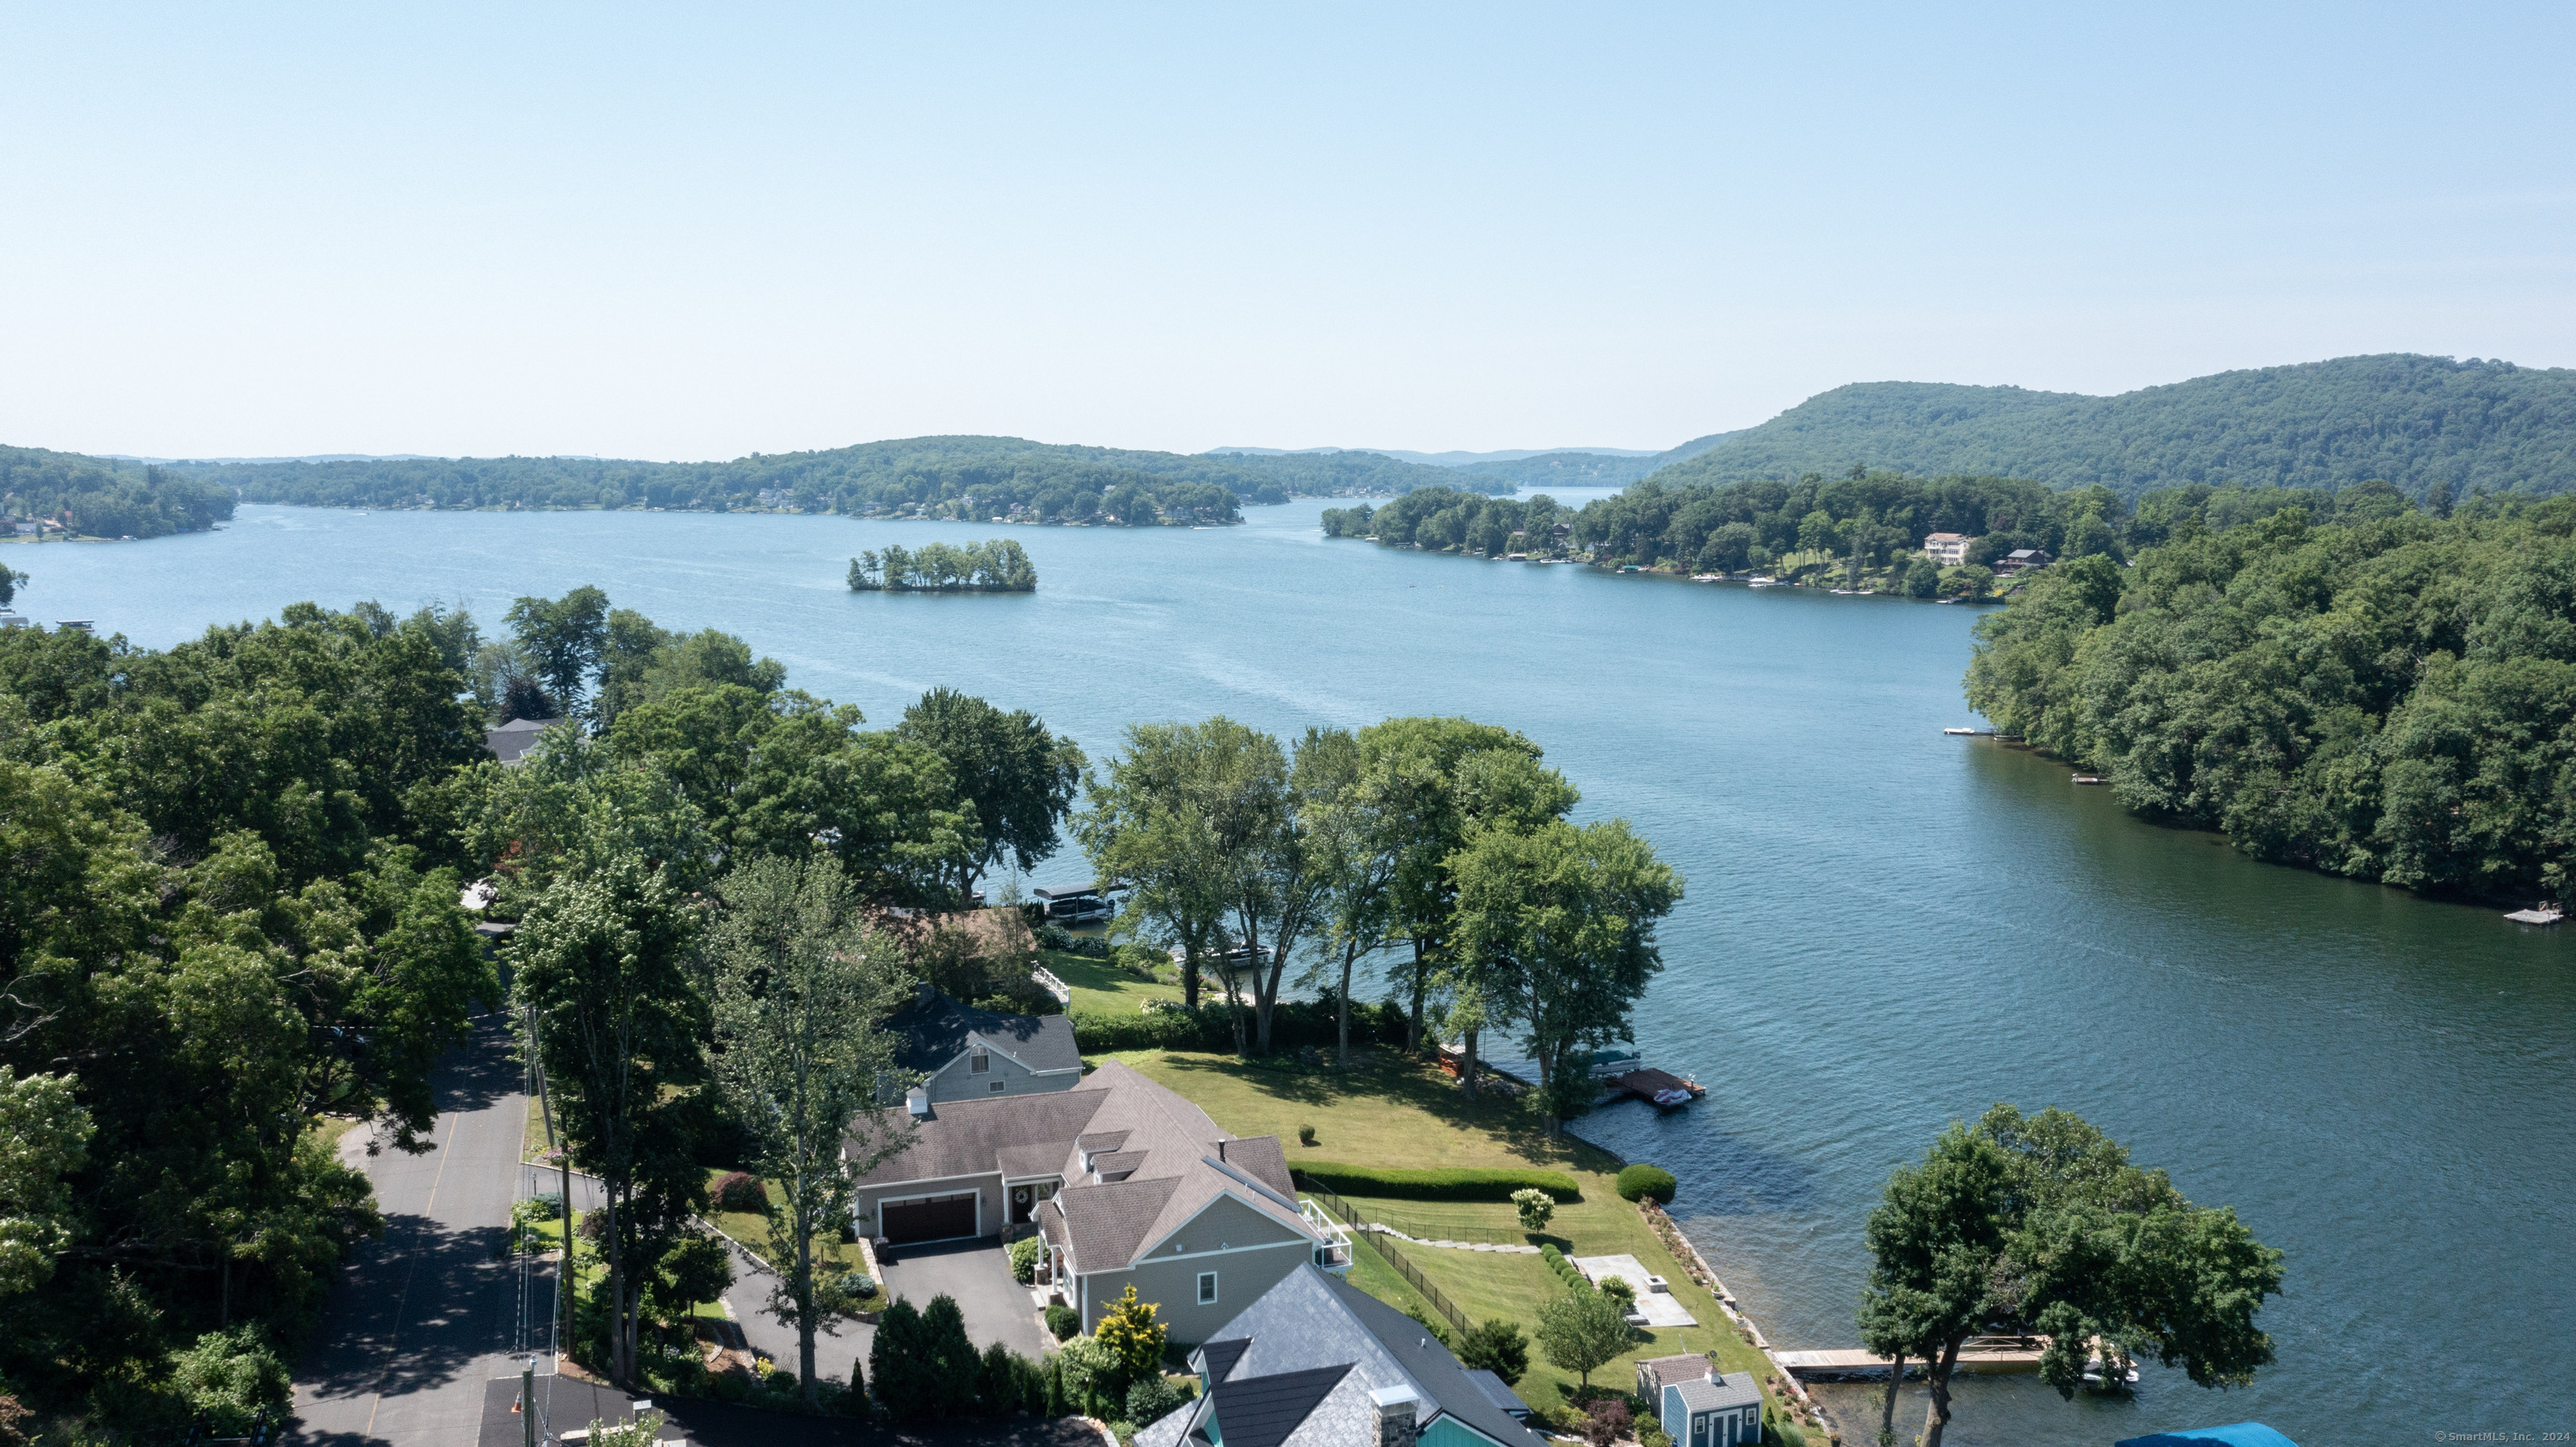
[1885, 929]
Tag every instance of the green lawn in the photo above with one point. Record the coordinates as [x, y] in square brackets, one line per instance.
[1394, 1111]
[752, 1230]
[1099, 985]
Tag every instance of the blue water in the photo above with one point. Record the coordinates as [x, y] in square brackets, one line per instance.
[1886, 928]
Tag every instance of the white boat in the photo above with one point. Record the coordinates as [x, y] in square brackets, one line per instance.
[2093, 1374]
[1672, 1097]
[1958, 731]
[1762, 582]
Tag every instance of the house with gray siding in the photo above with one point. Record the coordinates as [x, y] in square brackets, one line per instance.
[1128, 1183]
[962, 1053]
[1316, 1362]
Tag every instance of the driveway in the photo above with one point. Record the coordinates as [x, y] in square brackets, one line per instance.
[978, 1274]
[424, 1316]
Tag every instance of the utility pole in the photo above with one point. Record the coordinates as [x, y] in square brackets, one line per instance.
[528, 1402]
[568, 1282]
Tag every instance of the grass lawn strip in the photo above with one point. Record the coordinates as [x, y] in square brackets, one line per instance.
[1392, 1111]
[1100, 986]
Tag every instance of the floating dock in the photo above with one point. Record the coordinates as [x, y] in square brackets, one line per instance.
[2535, 916]
[1655, 1087]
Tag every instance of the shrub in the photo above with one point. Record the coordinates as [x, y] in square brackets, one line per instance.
[1095, 1381]
[1152, 1399]
[1496, 1346]
[997, 1393]
[739, 1191]
[536, 1210]
[1607, 1422]
[1454, 1183]
[1642, 1180]
[1566, 1271]
[1536, 1207]
[1024, 1259]
[1130, 1332]
[1063, 1320]
[1618, 1290]
[1305, 1135]
[782, 1380]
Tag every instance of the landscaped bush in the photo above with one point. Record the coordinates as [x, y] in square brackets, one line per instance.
[1607, 1422]
[739, 1191]
[1063, 1320]
[1024, 1259]
[1496, 1346]
[1305, 1135]
[1536, 1208]
[1566, 1271]
[1453, 1183]
[1642, 1180]
[1153, 1399]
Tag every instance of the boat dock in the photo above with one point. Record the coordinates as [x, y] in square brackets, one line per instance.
[1655, 1087]
[1980, 1354]
[2535, 916]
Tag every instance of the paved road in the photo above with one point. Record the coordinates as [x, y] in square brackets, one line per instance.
[425, 1315]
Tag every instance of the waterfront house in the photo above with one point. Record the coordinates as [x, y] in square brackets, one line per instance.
[1316, 1362]
[511, 741]
[1948, 550]
[1127, 1182]
[1698, 1405]
[964, 1053]
[2022, 558]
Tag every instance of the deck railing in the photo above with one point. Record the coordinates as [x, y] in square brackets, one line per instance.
[1377, 1242]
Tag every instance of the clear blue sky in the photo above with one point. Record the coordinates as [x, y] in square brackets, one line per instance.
[694, 233]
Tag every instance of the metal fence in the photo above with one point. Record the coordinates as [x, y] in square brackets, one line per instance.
[1386, 1251]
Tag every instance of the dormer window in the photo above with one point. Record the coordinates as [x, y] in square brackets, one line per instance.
[979, 1061]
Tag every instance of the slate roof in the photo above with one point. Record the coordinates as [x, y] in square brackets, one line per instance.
[1500, 1393]
[933, 1030]
[1311, 1321]
[1267, 1411]
[1169, 1147]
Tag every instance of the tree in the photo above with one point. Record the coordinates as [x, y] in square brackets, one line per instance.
[1020, 779]
[1534, 1207]
[2041, 1224]
[1134, 1339]
[602, 961]
[1148, 830]
[564, 637]
[10, 583]
[799, 984]
[1561, 922]
[44, 1137]
[1496, 1346]
[1355, 819]
[1582, 1331]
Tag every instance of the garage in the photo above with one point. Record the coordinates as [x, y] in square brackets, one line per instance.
[933, 1218]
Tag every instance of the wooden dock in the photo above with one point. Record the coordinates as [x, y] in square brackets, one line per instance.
[1645, 1083]
[1980, 1354]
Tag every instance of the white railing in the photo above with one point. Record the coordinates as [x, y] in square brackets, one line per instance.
[1333, 1253]
[1047, 981]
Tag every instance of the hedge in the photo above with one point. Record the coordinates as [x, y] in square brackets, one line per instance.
[1294, 1024]
[1456, 1183]
[1644, 1180]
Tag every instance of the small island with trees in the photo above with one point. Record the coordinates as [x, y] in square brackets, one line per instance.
[997, 565]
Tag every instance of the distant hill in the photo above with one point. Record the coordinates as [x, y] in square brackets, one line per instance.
[1576, 468]
[1443, 459]
[940, 476]
[2404, 419]
[103, 498]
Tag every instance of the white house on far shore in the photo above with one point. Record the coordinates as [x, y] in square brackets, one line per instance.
[1948, 550]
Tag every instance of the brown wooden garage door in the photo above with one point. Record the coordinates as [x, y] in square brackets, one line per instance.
[936, 1219]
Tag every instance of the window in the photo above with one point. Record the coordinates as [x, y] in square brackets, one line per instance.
[1207, 1288]
[979, 1063]
[1001, 1085]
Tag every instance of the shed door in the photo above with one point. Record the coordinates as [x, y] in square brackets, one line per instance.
[936, 1219]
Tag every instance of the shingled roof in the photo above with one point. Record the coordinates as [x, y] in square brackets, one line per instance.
[1176, 1160]
[1311, 1331]
[933, 1030]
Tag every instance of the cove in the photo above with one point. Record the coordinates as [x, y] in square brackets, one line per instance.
[1885, 928]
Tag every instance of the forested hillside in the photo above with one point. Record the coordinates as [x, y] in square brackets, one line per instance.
[959, 477]
[98, 497]
[2408, 420]
[1577, 469]
[2391, 697]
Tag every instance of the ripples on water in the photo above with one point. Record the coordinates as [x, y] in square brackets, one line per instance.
[1885, 928]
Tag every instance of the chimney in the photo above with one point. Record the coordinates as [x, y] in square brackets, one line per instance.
[1395, 1424]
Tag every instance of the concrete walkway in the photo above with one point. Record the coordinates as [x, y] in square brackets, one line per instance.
[423, 1316]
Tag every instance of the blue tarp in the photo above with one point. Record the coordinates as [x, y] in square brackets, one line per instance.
[2242, 1434]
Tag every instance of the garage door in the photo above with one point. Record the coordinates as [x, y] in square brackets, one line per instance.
[936, 1219]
